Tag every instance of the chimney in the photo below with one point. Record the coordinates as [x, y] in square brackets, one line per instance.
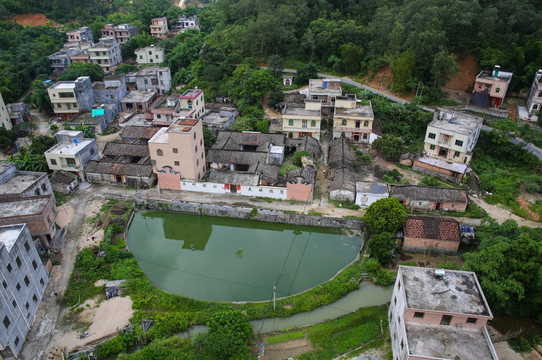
[496, 70]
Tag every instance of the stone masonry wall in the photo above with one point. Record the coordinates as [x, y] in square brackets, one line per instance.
[243, 213]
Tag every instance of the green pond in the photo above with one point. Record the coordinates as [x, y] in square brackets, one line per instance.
[221, 259]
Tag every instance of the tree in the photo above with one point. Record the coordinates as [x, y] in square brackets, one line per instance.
[351, 57]
[305, 73]
[385, 215]
[402, 67]
[229, 335]
[503, 129]
[88, 131]
[258, 85]
[444, 66]
[76, 70]
[40, 97]
[275, 64]
[6, 137]
[123, 69]
[41, 143]
[381, 246]
[208, 137]
[389, 146]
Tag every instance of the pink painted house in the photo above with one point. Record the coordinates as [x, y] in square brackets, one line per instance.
[300, 184]
[438, 315]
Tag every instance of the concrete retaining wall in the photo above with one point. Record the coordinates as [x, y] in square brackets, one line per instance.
[243, 213]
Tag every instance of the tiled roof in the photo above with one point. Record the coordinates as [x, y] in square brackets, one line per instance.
[430, 227]
[428, 193]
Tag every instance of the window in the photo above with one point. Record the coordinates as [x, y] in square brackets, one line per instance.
[159, 152]
[34, 298]
[291, 122]
[9, 267]
[418, 315]
[402, 344]
[498, 90]
[54, 211]
[196, 149]
[343, 122]
[197, 162]
[48, 220]
[456, 153]
[34, 264]
[201, 142]
[365, 124]
[479, 86]
[304, 123]
[445, 320]
[26, 280]
[432, 136]
[176, 163]
[27, 305]
[156, 56]
[471, 320]
[26, 246]
[7, 323]
[365, 136]
[175, 150]
[190, 104]
[43, 188]
[459, 142]
[140, 57]
[395, 301]
[92, 151]
[16, 342]
[18, 287]
[201, 155]
[313, 123]
[18, 261]
[53, 162]
[37, 192]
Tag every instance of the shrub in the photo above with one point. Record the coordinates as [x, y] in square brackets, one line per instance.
[296, 158]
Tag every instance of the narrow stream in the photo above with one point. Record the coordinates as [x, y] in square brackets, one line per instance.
[366, 295]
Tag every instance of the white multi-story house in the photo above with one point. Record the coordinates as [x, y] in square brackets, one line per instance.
[150, 55]
[451, 136]
[534, 96]
[72, 153]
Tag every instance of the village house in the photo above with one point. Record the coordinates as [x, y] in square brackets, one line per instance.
[137, 100]
[81, 57]
[287, 80]
[4, 115]
[187, 22]
[490, 87]
[218, 117]
[37, 212]
[534, 96]
[369, 192]
[164, 109]
[304, 143]
[69, 97]
[353, 119]
[451, 136]
[24, 282]
[154, 78]
[106, 53]
[64, 182]
[138, 134]
[424, 198]
[122, 33]
[159, 27]
[16, 184]
[177, 152]
[300, 120]
[72, 153]
[150, 55]
[431, 233]
[18, 113]
[110, 91]
[439, 315]
[325, 90]
[191, 104]
[341, 161]
[83, 34]
[99, 117]
[61, 59]
[300, 184]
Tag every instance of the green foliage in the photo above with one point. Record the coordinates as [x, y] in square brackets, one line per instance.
[54, 127]
[208, 137]
[229, 336]
[389, 146]
[504, 129]
[296, 158]
[78, 69]
[275, 64]
[402, 67]
[40, 97]
[508, 265]
[128, 48]
[362, 158]
[285, 337]
[115, 346]
[286, 168]
[254, 213]
[41, 143]
[305, 73]
[123, 69]
[381, 246]
[60, 199]
[429, 180]
[385, 215]
[7, 137]
[351, 57]
[394, 177]
[171, 348]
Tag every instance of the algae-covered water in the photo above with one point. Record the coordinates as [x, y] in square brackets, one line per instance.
[222, 259]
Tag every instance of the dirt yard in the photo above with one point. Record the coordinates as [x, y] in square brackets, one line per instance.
[32, 20]
[468, 69]
[287, 349]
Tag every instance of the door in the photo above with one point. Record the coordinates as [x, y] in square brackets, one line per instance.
[446, 320]
[437, 206]
[356, 137]
[233, 189]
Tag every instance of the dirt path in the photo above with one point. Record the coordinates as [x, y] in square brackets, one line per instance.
[286, 349]
[500, 214]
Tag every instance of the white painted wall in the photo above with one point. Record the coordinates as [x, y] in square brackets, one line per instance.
[216, 188]
[264, 191]
[204, 187]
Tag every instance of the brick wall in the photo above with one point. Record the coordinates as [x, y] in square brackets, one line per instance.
[434, 318]
[169, 181]
[436, 171]
[37, 223]
[456, 206]
[420, 244]
[299, 191]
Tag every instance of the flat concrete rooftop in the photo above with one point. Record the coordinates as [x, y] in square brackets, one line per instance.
[69, 148]
[457, 292]
[190, 93]
[359, 111]
[23, 206]
[151, 70]
[299, 110]
[446, 342]
[19, 183]
[138, 96]
[455, 121]
[9, 235]
[63, 85]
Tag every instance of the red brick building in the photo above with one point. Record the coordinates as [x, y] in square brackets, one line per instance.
[430, 198]
[423, 233]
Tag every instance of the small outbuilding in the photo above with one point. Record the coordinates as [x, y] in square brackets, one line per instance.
[431, 233]
[369, 192]
[64, 182]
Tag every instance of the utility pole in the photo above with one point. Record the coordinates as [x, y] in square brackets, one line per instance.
[274, 290]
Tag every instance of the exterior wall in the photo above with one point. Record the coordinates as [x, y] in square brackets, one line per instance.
[496, 88]
[370, 198]
[142, 182]
[299, 191]
[436, 171]
[8, 173]
[27, 298]
[245, 190]
[341, 195]
[4, 115]
[203, 187]
[534, 96]
[65, 189]
[63, 101]
[89, 152]
[38, 225]
[197, 104]
[421, 244]
[169, 181]
[190, 153]
[431, 205]
[159, 26]
[42, 186]
[106, 55]
[297, 130]
[265, 191]
[150, 55]
[396, 321]
[434, 318]
[162, 80]
[454, 152]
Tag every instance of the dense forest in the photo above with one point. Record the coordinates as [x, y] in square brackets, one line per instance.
[419, 40]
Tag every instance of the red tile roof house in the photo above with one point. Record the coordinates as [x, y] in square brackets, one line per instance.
[436, 234]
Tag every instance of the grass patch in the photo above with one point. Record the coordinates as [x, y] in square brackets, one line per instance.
[285, 337]
[316, 213]
[345, 204]
[61, 198]
[353, 217]
[410, 263]
[286, 168]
